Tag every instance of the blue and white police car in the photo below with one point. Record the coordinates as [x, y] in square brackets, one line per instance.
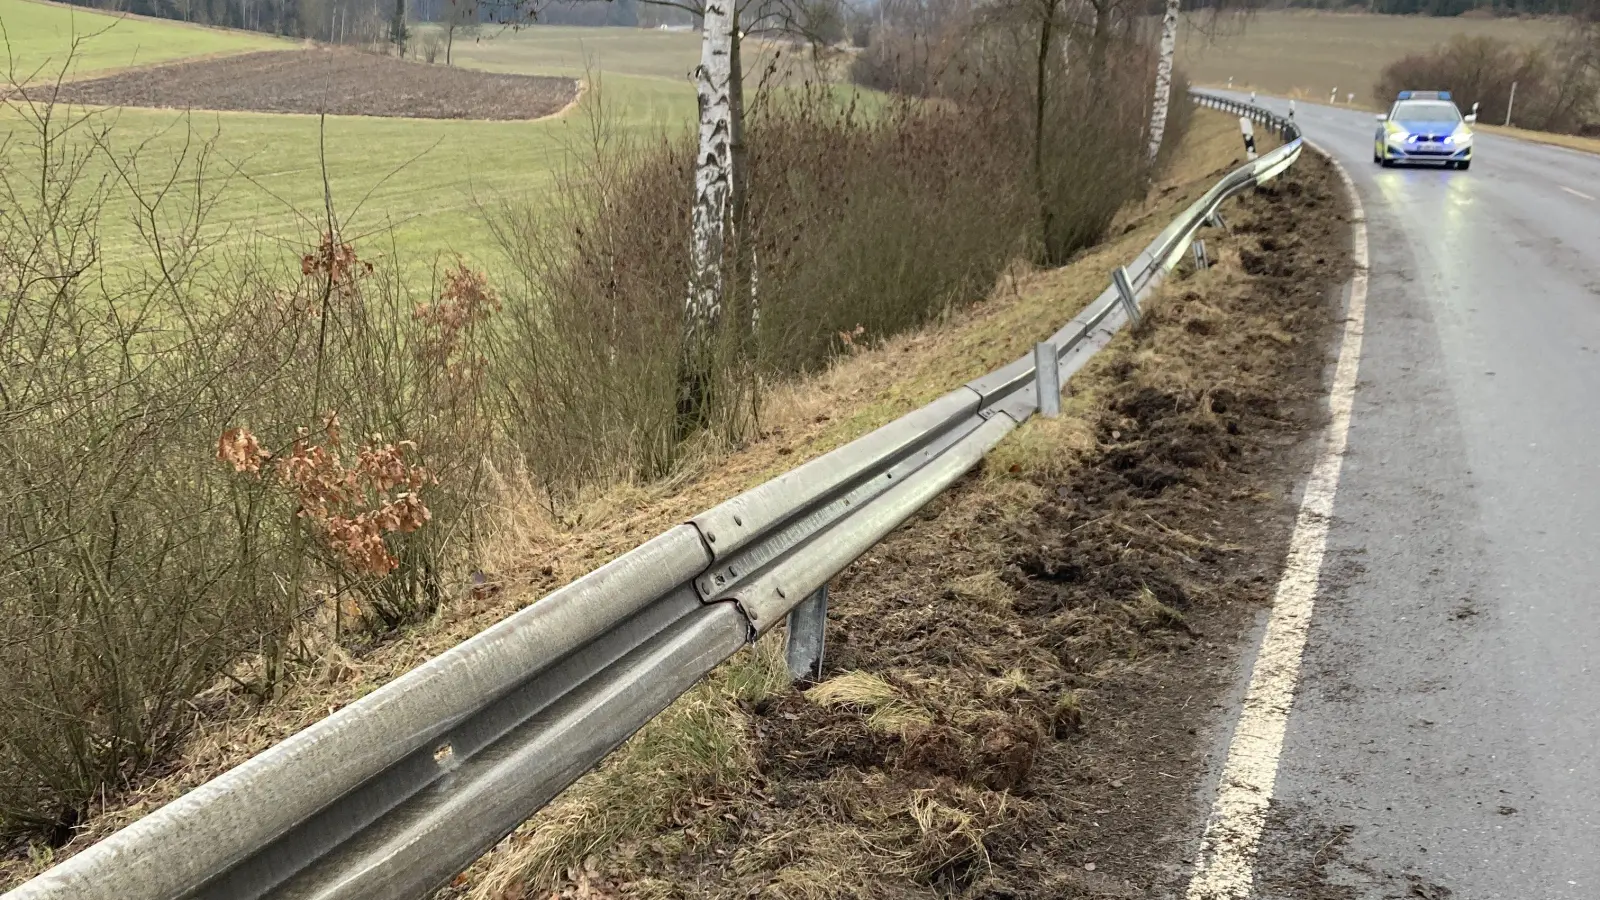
[1424, 127]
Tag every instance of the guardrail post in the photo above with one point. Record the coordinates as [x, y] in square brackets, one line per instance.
[1047, 379]
[1130, 303]
[808, 623]
[1215, 220]
[1201, 261]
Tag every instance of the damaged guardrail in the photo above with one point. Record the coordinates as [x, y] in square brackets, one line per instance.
[394, 794]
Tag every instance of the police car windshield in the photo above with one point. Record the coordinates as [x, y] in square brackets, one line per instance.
[1415, 111]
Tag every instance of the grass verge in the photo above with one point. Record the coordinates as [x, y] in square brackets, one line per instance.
[954, 674]
[531, 551]
[1569, 141]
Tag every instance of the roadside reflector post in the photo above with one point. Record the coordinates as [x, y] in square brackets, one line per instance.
[1201, 261]
[1248, 129]
[1350, 97]
[808, 623]
[1130, 303]
[1230, 82]
[1510, 103]
[1047, 379]
[1333, 96]
[1291, 109]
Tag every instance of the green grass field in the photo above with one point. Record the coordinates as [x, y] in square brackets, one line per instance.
[411, 186]
[1306, 54]
[39, 37]
[424, 179]
[550, 50]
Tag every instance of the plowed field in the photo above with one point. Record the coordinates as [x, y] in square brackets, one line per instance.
[336, 82]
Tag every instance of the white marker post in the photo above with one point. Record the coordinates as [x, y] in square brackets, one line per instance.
[1333, 97]
[1291, 109]
[1249, 131]
[1252, 97]
[1510, 103]
[1230, 82]
[1350, 97]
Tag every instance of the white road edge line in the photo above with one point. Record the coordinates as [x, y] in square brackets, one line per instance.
[1575, 193]
[1227, 857]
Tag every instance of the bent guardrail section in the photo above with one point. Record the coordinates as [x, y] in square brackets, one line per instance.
[394, 794]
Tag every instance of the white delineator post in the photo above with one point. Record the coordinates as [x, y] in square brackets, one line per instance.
[713, 168]
[1248, 129]
[1510, 103]
[1333, 97]
[1163, 97]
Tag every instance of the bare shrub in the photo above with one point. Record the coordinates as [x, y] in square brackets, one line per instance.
[430, 45]
[873, 221]
[139, 572]
[1557, 85]
[591, 342]
[132, 574]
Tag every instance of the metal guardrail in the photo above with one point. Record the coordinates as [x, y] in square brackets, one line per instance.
[394, 794]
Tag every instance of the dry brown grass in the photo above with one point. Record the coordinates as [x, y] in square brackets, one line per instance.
[1305, 54]
[898, 776]
[1569, 141]
[534, 551]
[877, 385]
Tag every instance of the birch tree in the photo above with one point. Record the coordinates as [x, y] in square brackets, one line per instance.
[1163, 95]
[709, 216]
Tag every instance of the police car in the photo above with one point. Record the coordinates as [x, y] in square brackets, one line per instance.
[1424, 127]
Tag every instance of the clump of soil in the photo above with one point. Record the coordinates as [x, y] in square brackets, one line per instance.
[1048, 742]
[336, 82]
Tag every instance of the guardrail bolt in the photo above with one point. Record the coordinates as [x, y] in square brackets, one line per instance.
[1047, 379]
[807, 626]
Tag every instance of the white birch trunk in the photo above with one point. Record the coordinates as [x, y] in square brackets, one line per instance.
[1163, 98]
[713, 167]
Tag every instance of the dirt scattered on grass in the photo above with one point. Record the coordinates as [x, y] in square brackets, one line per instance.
[1019, 680]
[332, 81]
[536, 549]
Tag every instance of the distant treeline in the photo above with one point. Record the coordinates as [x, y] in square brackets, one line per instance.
[1452, 7]
[371, 21]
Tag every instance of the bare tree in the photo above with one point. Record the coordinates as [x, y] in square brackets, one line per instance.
[457, 14]
[398, 33]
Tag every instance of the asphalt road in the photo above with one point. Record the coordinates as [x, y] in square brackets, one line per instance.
[1445, 739]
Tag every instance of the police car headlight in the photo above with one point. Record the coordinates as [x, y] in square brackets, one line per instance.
[1398, 137]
